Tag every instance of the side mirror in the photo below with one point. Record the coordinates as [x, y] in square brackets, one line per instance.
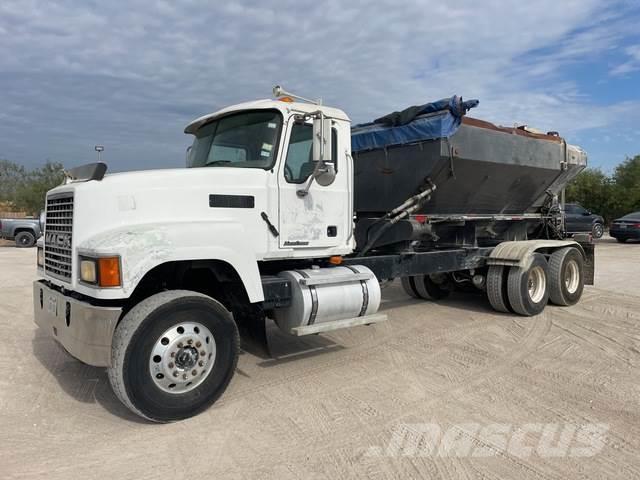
[325, 175]
[324, 172]
[321, 139]
[586, 213]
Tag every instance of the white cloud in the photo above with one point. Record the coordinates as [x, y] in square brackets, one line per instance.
[632, 64]
[131, 74]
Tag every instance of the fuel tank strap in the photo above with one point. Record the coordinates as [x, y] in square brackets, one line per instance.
[314, 298]
[365, 291]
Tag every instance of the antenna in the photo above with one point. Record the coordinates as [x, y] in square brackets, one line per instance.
[278, 92]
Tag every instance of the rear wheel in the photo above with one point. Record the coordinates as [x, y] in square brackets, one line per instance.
[566, 279]
[173, 355]
[528, 290]
[409, 287]
[497, 288]
[597, 231]
[426, 287]
[25, 240]
[429, 288]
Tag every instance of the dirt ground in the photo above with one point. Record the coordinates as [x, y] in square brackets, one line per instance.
[331, 406]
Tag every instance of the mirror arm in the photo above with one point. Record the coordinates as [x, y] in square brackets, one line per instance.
[304, 191]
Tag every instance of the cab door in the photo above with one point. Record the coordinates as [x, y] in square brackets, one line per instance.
[321, 218]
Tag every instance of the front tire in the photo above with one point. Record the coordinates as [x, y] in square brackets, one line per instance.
[528, 290]
[25, 240]
[173, 355]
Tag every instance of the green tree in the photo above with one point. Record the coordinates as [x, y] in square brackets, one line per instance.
[12, 177]
[30, 195]
[592, 189]
[626, 178]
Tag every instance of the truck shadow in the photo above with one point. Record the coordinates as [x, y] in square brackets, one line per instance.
[284, 348]
[83, 383]
[475, 302]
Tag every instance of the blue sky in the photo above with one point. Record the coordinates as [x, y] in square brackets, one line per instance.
[130, 75]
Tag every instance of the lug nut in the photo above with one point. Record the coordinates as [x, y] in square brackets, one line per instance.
[203, 353]
[201, 363]
[173, 354]
[175, 374]
[189, 341]
[170, 365]
[180, 345]
[198, 344]
[184, 376]
[194, 372]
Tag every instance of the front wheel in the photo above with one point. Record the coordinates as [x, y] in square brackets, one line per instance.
[173, 355]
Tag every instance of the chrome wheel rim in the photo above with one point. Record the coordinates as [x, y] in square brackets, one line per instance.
[571, 276]
[536, 284]
[597, 230]
[182, 357]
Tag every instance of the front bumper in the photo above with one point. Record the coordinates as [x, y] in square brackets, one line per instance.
[84, 330]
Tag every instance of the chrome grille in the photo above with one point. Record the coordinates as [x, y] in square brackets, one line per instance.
[58, 228]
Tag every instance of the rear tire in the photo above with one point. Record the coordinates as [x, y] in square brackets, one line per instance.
[497, 288]
[528, 290]
[566, 278]
[427, 289]
[25, 240]
[171, 331]
[409, 287]
[597, 230]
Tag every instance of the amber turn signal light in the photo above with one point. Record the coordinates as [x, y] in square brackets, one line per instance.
[335, 260]
[109, 272]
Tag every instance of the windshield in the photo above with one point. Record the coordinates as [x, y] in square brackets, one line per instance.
[245, 140]
[632, 216]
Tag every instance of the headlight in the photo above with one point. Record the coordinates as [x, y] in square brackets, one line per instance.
[101, 271]
[40, 257]
[88, 270]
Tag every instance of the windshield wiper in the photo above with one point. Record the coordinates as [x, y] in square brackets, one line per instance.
[218, 162]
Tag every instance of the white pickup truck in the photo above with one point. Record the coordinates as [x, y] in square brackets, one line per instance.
[153, 274]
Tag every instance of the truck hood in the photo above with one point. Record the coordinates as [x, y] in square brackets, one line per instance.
[152, 217]
[133, 199]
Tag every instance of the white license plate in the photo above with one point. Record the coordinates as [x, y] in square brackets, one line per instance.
[623, 226]
[52, 305]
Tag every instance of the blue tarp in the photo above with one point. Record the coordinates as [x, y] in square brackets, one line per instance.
[430, 121]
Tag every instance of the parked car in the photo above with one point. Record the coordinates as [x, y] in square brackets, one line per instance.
[626, 228]
[578, 219]
[25, 231]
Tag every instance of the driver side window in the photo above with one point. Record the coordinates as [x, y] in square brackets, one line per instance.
[299, 163]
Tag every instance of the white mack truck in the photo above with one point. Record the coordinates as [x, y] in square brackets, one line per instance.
[287, 213]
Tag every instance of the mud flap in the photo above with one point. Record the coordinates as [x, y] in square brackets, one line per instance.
[252, 325]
